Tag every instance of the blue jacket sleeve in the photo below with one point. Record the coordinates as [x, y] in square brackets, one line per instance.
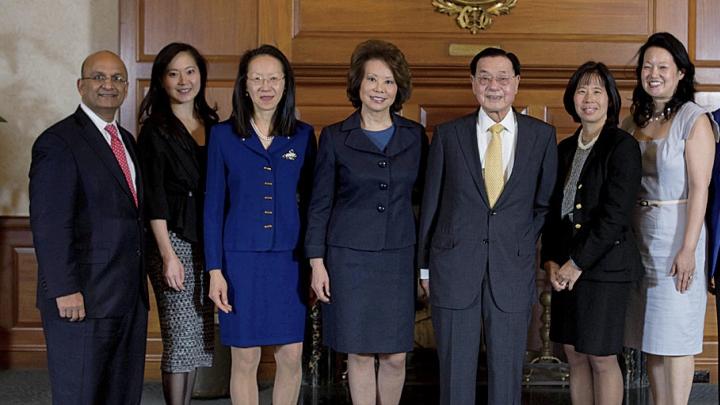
[321, 202]
[214, 211]
[54, 189]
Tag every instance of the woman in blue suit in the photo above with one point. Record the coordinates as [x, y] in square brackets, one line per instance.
[258, 177]
[361, 226]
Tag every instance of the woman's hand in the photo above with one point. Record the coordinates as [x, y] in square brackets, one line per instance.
[683, 269]
[568, 274]
[173, 272]
[552, 268]
[320, 280]
[218, 291]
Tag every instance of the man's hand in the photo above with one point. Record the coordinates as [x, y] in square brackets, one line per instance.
[71, 306]
[425, 286]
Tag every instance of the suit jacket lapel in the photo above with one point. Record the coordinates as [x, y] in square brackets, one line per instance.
[279, 145]
[466, 131]
[356, 138]
[97, 142]
[523, 149]
[253, 143]
[401, 139]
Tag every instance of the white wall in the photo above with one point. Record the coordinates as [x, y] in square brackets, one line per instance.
[42, 45]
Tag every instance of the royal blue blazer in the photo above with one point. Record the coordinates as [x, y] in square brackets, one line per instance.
[255, 198]
[713, 211]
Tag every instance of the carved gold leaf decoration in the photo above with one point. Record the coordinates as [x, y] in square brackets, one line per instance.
[474, 15]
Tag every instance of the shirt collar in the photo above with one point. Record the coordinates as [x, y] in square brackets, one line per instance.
[99, 122]
[485, 122]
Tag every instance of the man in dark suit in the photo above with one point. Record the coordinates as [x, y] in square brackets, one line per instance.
[488, 183]
[85, 199]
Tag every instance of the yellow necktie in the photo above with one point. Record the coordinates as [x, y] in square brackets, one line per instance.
[494, 176]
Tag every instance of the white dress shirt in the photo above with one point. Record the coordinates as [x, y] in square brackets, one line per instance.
[508, 136]
[101, 124]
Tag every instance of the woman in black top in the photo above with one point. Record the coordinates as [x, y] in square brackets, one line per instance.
[588, 248]
[175, 119]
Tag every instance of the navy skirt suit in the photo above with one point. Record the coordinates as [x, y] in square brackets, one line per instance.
[361, 221]
[253, 223]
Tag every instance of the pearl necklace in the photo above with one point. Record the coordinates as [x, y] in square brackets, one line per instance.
[662, 115]
[260, 135]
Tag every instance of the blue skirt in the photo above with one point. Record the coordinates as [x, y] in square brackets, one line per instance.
[372, 300]
[267, 299]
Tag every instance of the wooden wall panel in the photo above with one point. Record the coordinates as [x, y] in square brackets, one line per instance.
[25, 313]
[575, 31]
[21, 339]
[536, 17]
[707, 31]
[220, 30]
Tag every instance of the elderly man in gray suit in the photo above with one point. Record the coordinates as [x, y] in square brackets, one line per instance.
[489, 179]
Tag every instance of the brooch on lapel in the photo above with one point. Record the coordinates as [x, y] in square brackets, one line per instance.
[290, 155]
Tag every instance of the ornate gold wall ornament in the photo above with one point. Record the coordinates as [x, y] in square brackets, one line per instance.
[474, 15]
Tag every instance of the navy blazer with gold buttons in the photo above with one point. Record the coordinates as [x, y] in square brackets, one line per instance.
[600, 239]
[254, 196]
[363, 197]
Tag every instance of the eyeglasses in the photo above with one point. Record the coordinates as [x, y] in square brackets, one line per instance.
[273, 81]
[484, 80]
[117, 80]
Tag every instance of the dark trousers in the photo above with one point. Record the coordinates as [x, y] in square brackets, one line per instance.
[457, 332]
[96, 361]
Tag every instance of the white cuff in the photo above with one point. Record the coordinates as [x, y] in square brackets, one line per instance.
[424, 274]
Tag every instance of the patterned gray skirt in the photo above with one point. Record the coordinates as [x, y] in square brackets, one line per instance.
[186, 317]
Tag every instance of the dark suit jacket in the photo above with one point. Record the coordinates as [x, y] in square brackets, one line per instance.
[713, 213]
[87, 231]
[255, 197]
[174, 172]
[362, 197]
[600, 239]
[460, 234]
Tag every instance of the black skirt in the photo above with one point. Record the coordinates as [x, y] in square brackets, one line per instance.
[372, 302]
[591, 317]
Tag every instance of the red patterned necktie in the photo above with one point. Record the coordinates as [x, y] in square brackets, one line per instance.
[119, 151]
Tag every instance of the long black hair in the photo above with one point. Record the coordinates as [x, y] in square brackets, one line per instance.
[284, 121]
[156, 104]
[643, 106]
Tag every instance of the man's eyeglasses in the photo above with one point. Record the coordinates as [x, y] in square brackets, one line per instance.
[117, 80]
[484, 80]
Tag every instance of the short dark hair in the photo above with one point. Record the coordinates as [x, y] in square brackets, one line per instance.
[643, 106]
[156, 103]
[393, 58]
[584, 74]
[284, 120]
[492, 52]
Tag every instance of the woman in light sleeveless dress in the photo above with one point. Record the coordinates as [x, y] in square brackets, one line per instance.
[666, 310]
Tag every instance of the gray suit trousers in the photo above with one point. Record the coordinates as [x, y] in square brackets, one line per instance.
[457, 332]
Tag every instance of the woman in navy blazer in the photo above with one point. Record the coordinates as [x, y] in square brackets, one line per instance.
[361, 226]
[588, 247]
[259, 167]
